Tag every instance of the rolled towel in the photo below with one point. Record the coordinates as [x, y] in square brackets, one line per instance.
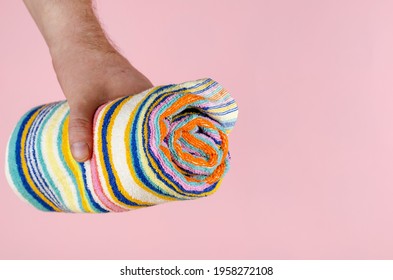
[164, 144]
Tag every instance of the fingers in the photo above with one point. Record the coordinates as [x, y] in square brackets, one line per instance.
[80, 131]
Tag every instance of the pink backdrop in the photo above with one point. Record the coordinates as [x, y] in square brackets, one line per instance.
[312, 169]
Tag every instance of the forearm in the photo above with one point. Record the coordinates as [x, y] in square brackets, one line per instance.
[67, 25]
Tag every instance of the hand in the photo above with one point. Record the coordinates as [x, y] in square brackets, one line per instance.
[89, 69]
[90, 78]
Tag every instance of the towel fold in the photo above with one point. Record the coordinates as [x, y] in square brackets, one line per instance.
[164, 144]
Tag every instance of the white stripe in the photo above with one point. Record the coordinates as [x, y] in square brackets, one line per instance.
[89, 182]
[144, 160]
[55, 168]
[100, 165]
[119, 156]
[29, 152]
[8, 173]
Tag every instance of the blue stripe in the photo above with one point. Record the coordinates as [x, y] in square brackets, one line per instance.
[224, 113]
[219, 106]
[229, 124]
[148, 151]
[19, 163]
[32, 162]
[173, 180]
[91, 198]
[111, 176]
[56, 105]
[134, 146]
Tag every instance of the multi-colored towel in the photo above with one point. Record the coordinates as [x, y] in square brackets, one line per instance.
[167, 143]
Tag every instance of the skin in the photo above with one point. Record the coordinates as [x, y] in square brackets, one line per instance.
[89, 69]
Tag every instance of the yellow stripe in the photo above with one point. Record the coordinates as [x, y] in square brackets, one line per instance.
[151, 160]
[223, 109]
[101, 157]
[53, 162]
[72, 165]
[109, 134]
[201, 87]
[216, 187]
[24, 165]
[130, 164]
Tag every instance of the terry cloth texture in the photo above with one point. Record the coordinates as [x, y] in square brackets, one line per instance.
[167, 143]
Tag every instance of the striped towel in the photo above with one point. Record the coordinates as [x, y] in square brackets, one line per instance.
[167, 143]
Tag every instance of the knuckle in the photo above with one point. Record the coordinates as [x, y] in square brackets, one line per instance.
[79, 125]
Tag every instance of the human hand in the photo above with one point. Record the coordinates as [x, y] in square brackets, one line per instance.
[90, 78]
[89, 69]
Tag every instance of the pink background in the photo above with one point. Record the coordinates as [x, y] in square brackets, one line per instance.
[312, 169]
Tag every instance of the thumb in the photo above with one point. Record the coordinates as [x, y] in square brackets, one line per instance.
[80, 131]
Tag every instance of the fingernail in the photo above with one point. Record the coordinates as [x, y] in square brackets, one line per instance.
[80, 151]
